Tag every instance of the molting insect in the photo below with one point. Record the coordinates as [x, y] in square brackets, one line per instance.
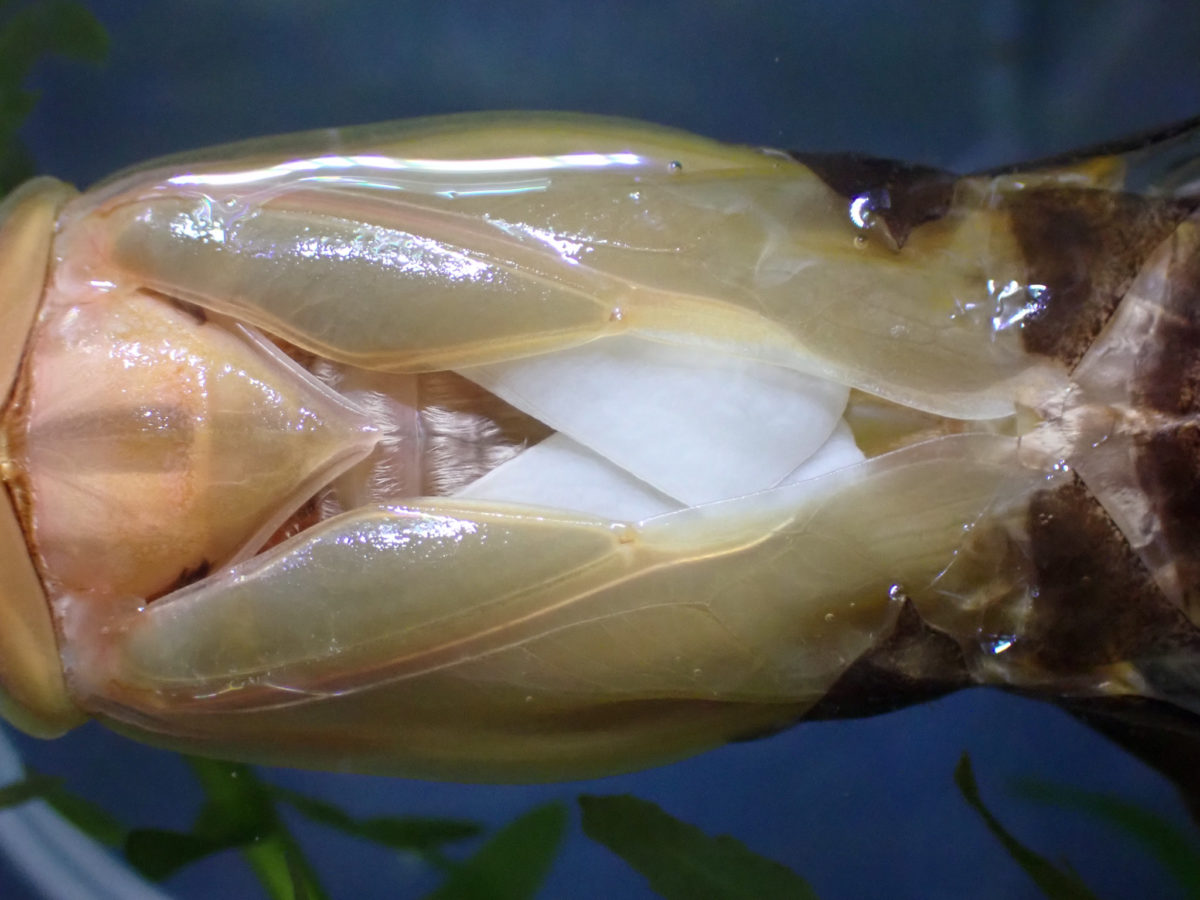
[529, 447]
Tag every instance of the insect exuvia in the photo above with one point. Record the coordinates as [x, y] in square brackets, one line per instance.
[528, 447]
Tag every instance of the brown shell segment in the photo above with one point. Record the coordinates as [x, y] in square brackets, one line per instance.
[1167, 382]
[915, 663]
[1168, 376]
[1168, 468]
[1085, 246]
[901, 195]
[1095, 602]
[1153, 143]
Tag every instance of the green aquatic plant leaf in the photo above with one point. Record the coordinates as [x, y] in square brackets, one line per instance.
[416, 834]
[32, 787]
[236, 804]
[28, 33]
[157, 853]
[87, 817]
[239, 807]
[83, 814]
[680, 861]
[31, 31]
[238, 813]
[1055, 883]
[513, 864]
[1175, 848]
[283, 869]
[16, 163]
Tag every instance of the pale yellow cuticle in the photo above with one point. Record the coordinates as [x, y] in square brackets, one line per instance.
[33, 693]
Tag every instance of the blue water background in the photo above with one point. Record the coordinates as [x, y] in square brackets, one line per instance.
[861, 809]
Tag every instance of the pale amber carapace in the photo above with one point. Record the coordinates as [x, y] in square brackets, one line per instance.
[527, 447]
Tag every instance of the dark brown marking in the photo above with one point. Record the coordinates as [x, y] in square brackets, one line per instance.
[308, 515]
[915, 664]
[1166, 379]
[1168, 468]
[1150, 140]
[1095, 603]
[186, 577]
[16, 482]
[1085, 246]
[1168, 373]
[901, 195]
[191, 309]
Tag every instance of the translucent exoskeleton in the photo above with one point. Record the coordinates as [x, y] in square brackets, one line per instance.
[531, 447]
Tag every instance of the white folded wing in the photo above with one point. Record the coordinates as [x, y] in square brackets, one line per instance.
[646, 428]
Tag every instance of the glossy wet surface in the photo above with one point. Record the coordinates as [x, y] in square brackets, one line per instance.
[859, 808]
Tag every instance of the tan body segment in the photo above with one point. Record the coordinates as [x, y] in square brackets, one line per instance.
[32, 690]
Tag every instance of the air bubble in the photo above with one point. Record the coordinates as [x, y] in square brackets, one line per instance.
[675, 166]
[896, 592]
[1057, 470]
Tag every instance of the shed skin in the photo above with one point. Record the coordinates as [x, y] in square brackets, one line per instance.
[1025, 600]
